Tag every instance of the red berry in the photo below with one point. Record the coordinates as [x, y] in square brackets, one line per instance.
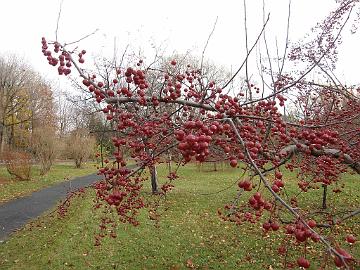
[302, 262]
[247, 185]
[338, 262]
[290, 229]
[257, 196]
[86, 82]
[346, 256]
[300, 235]
[279, 183]
[275, 226]
[312, 223]
[350, 239]
[266, 226]
[233, 163]
[282, 250]
[315, 237]
[275, 188]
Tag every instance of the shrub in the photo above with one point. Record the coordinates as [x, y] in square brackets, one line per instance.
[44, 145]
[18, 164]
[80, 146]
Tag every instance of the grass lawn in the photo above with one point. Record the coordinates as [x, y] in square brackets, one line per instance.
[60, 172]
[189, 234]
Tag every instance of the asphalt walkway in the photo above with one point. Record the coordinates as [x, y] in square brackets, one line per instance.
[16, 213]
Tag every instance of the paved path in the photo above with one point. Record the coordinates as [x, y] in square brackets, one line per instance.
[16, 213]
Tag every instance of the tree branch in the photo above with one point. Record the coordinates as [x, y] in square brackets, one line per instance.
[278, 198]
[247, 56]
[320, 152]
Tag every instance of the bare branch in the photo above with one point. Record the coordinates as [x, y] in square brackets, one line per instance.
[58, 20]
[207, 42]
[247, 56]
[84, 37]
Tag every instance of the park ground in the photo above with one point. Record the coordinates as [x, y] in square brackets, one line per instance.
[187, 235]
[61, 171]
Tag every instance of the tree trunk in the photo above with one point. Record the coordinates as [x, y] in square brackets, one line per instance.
[11, 133]
[169, 162]
[101, 152]
[154, 179]
[215, 167]
[78, 163]
[1, 138]
[199, 166]
[45, 167]
[324, 206]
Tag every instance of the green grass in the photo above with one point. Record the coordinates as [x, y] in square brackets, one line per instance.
[11, 188]
[189, 234]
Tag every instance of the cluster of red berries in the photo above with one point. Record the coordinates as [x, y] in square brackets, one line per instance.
[301, 232]
[63, 60]
[258, 202]
[278, 183]
[64, 206]
[193, 145]
[121, 192]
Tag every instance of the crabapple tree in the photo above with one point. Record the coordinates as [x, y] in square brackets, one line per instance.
[160, 108]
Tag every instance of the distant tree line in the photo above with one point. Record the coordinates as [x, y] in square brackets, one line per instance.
[39, 124]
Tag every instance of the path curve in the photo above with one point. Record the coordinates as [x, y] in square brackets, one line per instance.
[16, 213]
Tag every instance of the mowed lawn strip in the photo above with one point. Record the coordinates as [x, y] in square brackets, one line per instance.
[189, 234]
[11, 188]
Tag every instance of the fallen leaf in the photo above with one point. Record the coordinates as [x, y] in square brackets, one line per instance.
[190, 264]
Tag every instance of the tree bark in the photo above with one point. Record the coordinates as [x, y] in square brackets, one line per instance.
[215, 167]
[154, 179]
[78, 163]
[169, 161]
[2, 138]
[45, 166]
[324, 206]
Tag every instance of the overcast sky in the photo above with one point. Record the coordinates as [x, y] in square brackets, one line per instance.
[177, 26]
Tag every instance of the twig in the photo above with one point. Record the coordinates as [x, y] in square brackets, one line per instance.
[84, 37]
[58, 19]
[247, 52]
[247, 56]
[350, 215]
[207, 42]
[287, 37]
[316, 62]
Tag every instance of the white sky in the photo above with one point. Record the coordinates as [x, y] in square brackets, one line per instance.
[176, 25]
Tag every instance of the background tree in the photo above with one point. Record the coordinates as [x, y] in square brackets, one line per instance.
[80, 146]
[25, 102]
[44, 145]
[13, 77]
